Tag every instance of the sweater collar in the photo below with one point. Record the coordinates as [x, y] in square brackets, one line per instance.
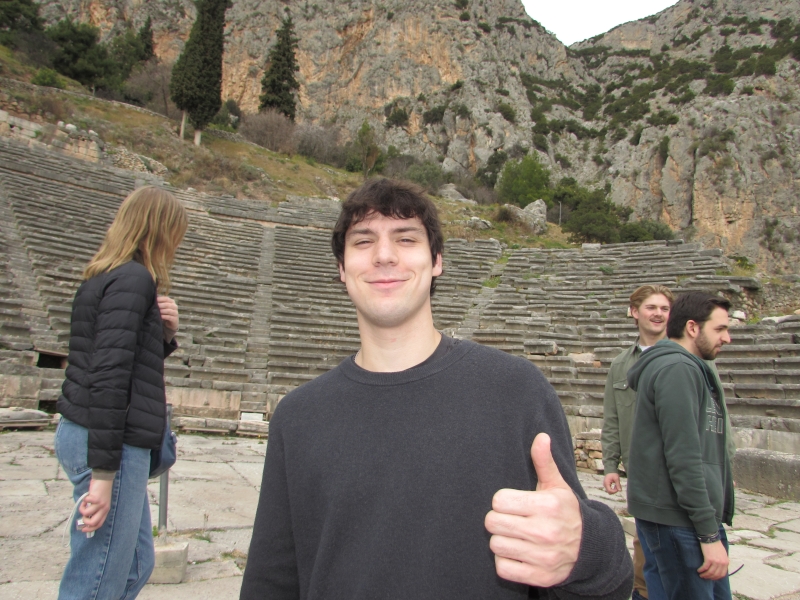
[426, 369]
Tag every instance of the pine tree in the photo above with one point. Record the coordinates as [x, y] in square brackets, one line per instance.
[196, 85]
[279, 82]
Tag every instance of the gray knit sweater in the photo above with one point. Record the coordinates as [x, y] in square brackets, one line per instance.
[376, 485]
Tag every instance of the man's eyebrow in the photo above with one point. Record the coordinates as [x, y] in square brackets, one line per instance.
[368, 231]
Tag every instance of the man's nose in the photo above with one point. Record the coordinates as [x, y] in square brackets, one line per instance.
[726, 338]
[385, 252]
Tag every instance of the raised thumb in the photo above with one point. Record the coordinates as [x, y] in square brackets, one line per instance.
[546, 469]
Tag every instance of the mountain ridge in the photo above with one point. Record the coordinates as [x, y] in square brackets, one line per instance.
[704, 141]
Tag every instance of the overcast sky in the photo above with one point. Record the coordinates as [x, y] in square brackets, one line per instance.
[575, 20]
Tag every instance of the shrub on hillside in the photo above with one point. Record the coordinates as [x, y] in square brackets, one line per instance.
[434, 115]
[148, 86]
[524, 181]
[428, 175]
[48, 78]
[397, 118]
[507, 111]
[320, 143]
[271, 129]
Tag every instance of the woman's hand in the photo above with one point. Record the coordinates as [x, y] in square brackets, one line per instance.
[169, 315]
[96, 505]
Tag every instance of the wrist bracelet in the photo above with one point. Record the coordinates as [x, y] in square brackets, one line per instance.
[709, 539]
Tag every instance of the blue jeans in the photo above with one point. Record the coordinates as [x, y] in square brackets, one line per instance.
[116, 563]
[672, 556]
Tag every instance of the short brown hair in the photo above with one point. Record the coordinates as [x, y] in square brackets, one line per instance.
[390, 198]
[693, 306]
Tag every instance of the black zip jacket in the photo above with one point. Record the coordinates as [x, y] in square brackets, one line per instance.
[115, 375]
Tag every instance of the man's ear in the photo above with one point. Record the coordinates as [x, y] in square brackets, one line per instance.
[635, 312]
[341, 272]
[437, 266]
[692, 329]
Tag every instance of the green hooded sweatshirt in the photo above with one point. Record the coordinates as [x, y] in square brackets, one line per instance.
[680, 471]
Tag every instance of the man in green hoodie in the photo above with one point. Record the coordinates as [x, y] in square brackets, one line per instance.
[680, 485]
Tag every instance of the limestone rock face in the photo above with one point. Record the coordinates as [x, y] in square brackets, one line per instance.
[534, 216]
[727, 175]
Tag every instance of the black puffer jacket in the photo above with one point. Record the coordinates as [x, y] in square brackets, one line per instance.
[115, 375]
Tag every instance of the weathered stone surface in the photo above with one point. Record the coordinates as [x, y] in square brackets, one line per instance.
[773, 473]
[533, 216]
[170, 564]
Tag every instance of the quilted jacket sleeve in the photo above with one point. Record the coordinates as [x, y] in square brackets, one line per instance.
[125, 301]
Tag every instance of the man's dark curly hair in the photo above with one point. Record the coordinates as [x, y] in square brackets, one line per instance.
[390, 198]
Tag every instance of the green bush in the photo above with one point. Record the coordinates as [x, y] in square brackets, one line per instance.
[484, 26]
[48, 78]
[397, 118]
[462, 4]
[765, 65]
[507, 111]
[645, 230]
[524, 181]
[428, 175]
[719, 85]
[462, 110]
[662, 118]
[637, 136]
[663, 149]
[457, 85]
[488, 174]
[464, 16]
[594, 220]
[687, 96]
[563, 161]
[540, 142]
[434, 115]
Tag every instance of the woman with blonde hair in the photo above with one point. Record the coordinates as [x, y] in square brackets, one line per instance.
[113, 403]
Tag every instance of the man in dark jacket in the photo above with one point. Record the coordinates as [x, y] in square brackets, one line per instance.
[680, 487]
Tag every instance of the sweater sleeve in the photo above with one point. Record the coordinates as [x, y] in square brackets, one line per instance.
[604, 570]
[120, 315]
[271, 570]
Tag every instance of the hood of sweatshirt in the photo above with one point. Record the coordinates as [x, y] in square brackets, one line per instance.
[663, 348]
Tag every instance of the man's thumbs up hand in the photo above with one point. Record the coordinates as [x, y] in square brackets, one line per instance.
[536, 536]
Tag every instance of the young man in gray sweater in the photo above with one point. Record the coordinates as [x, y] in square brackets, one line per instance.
[680, 485]
[411, 470]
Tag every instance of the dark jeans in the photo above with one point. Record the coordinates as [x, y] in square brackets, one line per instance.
[672, 557]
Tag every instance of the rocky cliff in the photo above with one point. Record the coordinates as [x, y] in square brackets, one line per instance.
[689, 114]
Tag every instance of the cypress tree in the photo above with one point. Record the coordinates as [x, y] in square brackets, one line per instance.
[146, 37]
[279, 82]
[196, 85]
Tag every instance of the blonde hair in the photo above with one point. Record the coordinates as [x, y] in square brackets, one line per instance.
[149, 226]
[643, 292]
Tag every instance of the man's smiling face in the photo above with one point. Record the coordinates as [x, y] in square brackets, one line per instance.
[652, 315]
[388, 270]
